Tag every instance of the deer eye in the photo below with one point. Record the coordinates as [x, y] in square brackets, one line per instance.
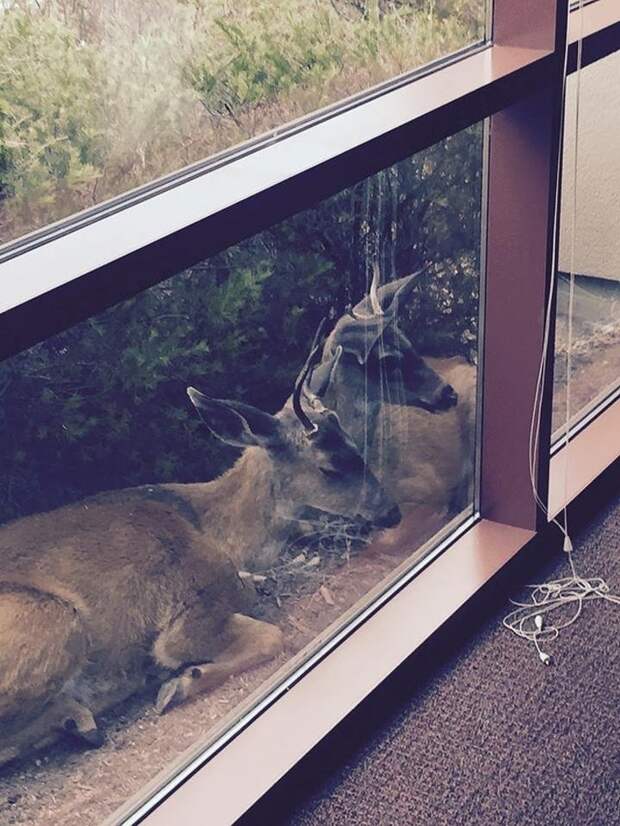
[330, 473]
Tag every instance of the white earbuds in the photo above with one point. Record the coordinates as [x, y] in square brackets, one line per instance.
[532, 620]
[539, 622]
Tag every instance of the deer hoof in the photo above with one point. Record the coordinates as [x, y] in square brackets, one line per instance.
[93, 738]
[81, 725]
[169, 695]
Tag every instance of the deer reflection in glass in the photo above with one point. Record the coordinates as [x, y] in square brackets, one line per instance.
[411, 417]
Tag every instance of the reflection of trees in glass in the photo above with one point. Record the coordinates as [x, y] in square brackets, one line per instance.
[99, 96]
[106, 400]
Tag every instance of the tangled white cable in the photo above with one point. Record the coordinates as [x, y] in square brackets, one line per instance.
[531, 620]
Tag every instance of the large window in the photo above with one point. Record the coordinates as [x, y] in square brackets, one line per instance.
[99, 96]
[265, 421]
[311, 522]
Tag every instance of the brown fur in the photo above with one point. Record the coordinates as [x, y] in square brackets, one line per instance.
[109, 579]
[428, 458]
[101, 598]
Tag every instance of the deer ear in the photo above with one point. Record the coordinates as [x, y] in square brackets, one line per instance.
[235, 423]
[389, 296]
[396, 292]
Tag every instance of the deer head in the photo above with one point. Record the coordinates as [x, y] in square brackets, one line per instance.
[313, 462]
[378, 363]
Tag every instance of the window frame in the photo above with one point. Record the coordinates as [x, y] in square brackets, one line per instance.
[68, 272]
[81, 268]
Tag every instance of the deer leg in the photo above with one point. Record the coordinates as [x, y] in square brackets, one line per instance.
[78, 721]
[61, 715]
[249, 642]
[42, 647]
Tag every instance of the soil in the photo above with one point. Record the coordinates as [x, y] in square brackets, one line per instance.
[73, 786]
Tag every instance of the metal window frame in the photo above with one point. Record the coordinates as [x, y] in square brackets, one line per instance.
[54, 279]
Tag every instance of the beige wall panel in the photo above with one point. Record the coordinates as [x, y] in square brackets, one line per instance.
[597, 226]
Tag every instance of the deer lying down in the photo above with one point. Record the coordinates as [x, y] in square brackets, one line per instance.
[136, 587]
[412, 417]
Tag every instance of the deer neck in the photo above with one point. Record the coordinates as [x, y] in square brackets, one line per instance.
[241, 511]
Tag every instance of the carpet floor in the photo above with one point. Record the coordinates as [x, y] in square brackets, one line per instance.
[491, 737]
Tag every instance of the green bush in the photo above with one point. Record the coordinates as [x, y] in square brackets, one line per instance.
[98, 97]
[270, 50]
[52, 126]
[84, 119]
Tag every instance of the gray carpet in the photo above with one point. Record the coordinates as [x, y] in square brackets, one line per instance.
[494, 737]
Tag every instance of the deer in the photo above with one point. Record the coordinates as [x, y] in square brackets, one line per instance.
[412, 417]
[140, 589]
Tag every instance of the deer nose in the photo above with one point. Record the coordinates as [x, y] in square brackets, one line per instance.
[389, 519]
[447, 398]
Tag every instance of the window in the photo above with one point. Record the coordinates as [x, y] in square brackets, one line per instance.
[384, 474]
[594, 241]
[313, 524]
[100, 96]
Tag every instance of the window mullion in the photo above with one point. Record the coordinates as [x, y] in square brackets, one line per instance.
[522, 182]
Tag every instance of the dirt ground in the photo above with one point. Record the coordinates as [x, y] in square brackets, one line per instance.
[71, 786]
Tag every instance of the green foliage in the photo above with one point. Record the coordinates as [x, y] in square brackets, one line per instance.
[107, 397]
[85, 112]
[100, 96]
[51, 129]
[268, 51]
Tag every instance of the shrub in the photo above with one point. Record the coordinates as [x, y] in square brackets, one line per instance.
[97, 96]
[52, 126]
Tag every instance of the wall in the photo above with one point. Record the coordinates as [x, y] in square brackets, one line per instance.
[597, 238]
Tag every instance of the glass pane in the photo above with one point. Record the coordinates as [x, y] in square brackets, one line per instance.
[98, 97]
[144, 522]
[596, 242]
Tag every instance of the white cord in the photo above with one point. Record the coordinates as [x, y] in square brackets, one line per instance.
[532, 620]
[529, 619]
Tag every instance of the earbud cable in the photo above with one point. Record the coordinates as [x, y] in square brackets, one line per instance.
[546, 613]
